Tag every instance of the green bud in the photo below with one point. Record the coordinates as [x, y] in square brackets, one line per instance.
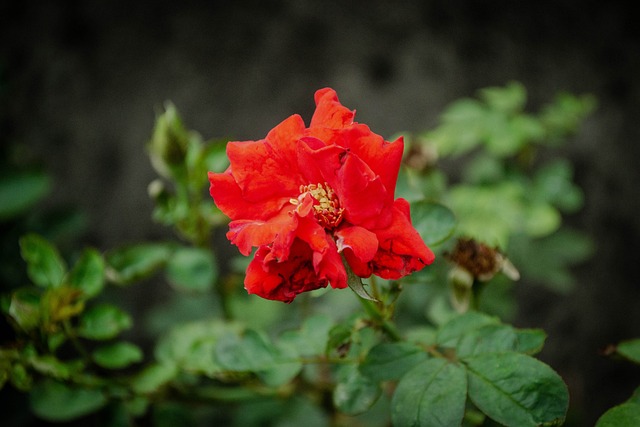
[169, 143]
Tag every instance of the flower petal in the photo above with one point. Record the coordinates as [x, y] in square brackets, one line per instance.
[330, 113]
[359, 189]
[304, 271]
[268, 168]
[361, 193]
[384, 158]
[228, 196]
[279, 230]
[402, 251]
[362, 242]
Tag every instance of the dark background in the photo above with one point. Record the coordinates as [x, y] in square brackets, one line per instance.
[82, 81]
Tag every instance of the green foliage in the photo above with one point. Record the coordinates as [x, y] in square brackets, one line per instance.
[431, 394]
[19, 191]
[45, 266]
[433, 349]
[57, 402]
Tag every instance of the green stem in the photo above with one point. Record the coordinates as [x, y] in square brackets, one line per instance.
[376, 314]
[66, 324]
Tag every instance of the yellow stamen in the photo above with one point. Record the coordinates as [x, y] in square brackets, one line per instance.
[326, 205]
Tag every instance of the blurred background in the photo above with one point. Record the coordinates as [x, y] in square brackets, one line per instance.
[81, 83]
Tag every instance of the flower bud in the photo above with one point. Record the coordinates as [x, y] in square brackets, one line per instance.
[169, 143]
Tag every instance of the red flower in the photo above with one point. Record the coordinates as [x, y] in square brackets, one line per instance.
[305, 195]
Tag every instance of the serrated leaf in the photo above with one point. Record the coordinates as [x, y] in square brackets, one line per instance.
[57, 402]
[487, 339]
[45, 266]
[434, 222]
[449, 334]
[630, 349]
[530, 341]
[355, 393]
[88, 273]
[516, 390]
[390, 361]
[117, 355]
[136, 262]
[431, 394]
[103, 322]
[192, 269]
[624, 415]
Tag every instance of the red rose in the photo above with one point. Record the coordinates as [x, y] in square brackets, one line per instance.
[305, 195]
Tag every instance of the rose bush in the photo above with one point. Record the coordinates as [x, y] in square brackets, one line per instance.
[310, 197]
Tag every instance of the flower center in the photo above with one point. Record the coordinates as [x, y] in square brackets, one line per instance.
[326, 205]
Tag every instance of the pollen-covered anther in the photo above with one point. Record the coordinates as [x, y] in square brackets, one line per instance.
[326, 205]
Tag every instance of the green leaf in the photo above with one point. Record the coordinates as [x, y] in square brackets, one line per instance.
[136, 262]
[153, 377]
[117, 355]
[530, 341]
[553, 184]
[24, 308]
[487, 339]
[52, 367]
[88, 273]
[390, 361]
[253, 352]
[311, 339]
[45, 266]
[191, 346]
[508, 99]
[433, 221]
[172, 414]
[462, 127]
[20, 191]
[548, 260]
[57, 402]
[355, 393]
[20, 378]
[624, 415]
[409, 185]
[431, 394]
[630, 349]
[449, 334]
[516, 390]
[355, 283]
[192, 269]
[103, 322]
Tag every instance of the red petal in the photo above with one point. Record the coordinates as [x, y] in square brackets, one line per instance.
[318, 164]
[361, 193]
[362, 242]
[279, 230]
[402, 251]
[382, 157]
[228, 196]
[305, 270]
[329, 112]
[329, 264]
[268, 168]
[312, 233]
